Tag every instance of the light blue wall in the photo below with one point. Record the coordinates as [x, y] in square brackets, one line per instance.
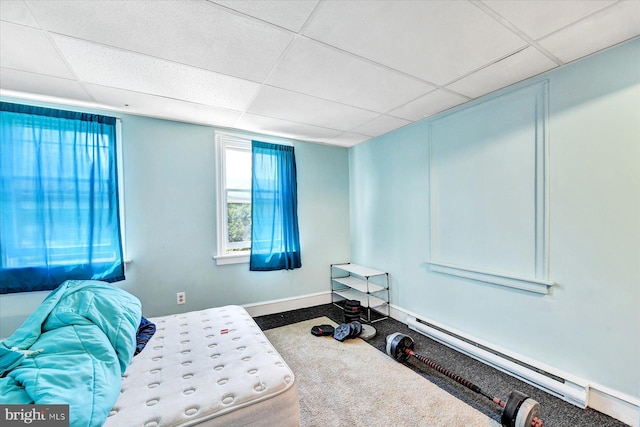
[171, 232]
[589, 324]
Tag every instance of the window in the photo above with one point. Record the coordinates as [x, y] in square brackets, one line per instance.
[59, 211]
[257, 218]
[233, 154]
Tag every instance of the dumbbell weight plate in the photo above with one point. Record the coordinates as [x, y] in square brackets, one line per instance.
[528, 409]
[356, 329]
[395, 345]
[342, 332]
[350, 305]
[368, 332]
[510, 412]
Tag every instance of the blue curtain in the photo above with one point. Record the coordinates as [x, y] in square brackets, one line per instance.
[275, 241]
[59, 216]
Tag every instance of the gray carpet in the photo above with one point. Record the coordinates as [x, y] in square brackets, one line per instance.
[555, 412]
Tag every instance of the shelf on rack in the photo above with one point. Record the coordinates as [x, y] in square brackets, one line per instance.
[365, 300]
[359, 270]
[359, 284]
[364, 284]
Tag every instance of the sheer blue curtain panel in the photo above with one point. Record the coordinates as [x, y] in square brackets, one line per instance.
[275, 240]
[59, 216]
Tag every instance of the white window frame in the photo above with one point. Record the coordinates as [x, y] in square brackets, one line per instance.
[222, 141]
[121, 198]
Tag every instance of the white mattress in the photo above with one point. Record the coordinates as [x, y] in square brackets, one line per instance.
[212, 367]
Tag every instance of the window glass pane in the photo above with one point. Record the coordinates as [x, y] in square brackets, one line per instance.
[238, 191]
[239, 224]
[238, 169]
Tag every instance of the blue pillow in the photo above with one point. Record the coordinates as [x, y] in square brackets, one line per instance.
[144, 334]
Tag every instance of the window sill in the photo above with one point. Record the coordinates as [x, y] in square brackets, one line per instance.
[231, 259]
[526, 284]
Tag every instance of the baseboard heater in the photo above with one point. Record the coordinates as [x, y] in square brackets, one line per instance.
[573, 392]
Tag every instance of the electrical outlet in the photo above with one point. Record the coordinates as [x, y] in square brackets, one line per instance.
[181, 297]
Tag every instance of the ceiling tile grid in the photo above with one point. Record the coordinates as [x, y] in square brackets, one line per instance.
[610, 26]
[122, 69]
[316, 69]
[517, 67]
[290, 14]
[42, 84]
[332, 72]
[538, 18]
[29, 49]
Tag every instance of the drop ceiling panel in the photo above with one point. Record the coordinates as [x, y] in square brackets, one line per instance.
[438, 41]
[29, 49]
[347, 139]
[428, 105]
[18, 13]
[287, 105]
[524, 64]
[157, 106]
[316, 69]
[290, 14]
[196, 33]
[284, 128]
[23, 81]
[116, 68]
[381, 125]
[606, 28]
[537, 18]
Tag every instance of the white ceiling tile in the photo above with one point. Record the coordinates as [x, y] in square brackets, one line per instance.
[428, 105]
[201, 34]
[284, 128]
[105, 66]
[287, 105]
[606, 28]
[438, 41]
[315, 69]
[290, 14]
[537, 18]
[23, 81]
[16, 11]
[157, 106]
[381, 125]
[29, 49]
[347, 139]
[524, 64]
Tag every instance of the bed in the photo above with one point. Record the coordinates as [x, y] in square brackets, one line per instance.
[212, 367]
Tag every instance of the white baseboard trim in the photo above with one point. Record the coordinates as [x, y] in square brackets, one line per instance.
[615, 404]
[286, 304]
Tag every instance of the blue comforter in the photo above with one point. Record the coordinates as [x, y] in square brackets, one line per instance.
[73, 349]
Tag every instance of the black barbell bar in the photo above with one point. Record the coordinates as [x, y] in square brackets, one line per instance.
[518, 411]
